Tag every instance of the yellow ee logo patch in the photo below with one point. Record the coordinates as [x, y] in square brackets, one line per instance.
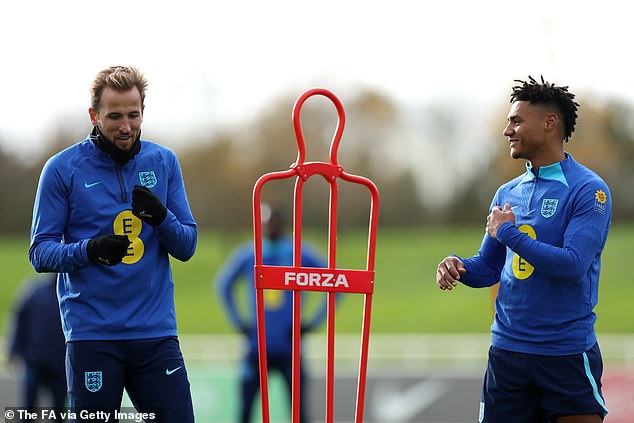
[273, 298]
[521, 268]
[128, 224]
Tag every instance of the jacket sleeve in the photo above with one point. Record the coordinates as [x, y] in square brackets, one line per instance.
[484, 268]
[226, 282]
[47, 251]
[584, 238]
[178, 233]
[17, 345]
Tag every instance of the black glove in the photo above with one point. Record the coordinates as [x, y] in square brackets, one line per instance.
[147, 206]
[108, 249]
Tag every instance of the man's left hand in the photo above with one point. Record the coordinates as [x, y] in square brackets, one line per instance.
[147, 206]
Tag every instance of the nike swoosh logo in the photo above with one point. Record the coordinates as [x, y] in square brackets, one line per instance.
[169, 372]
[87, 185]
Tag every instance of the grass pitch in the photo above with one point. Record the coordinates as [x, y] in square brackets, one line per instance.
[405, 300]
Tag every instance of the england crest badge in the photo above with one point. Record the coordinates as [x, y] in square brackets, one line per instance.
[549, 207]
[148, 178]
[93, 381]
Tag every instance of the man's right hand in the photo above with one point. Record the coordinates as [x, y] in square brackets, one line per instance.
[448, 272]
[108, 249]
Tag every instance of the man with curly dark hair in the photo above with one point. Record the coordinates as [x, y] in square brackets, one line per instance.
[545, 233]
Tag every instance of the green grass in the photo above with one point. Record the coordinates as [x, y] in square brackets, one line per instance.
[405, 298]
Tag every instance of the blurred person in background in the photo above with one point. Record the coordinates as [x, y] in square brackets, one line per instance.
[545, 233]
[277, 250]
[109, 212]
[37, 346]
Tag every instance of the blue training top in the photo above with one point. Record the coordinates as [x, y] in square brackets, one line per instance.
[278, 304]
[548, 263]
[36, 334]
[83, 194]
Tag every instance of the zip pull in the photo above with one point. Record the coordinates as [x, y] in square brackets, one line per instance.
[122, 188]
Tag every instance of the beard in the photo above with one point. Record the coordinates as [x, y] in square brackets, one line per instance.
[117, 154]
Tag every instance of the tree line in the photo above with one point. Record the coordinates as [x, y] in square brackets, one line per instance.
[437, 163]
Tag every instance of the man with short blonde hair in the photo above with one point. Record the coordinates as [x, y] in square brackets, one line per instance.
[109, 212]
